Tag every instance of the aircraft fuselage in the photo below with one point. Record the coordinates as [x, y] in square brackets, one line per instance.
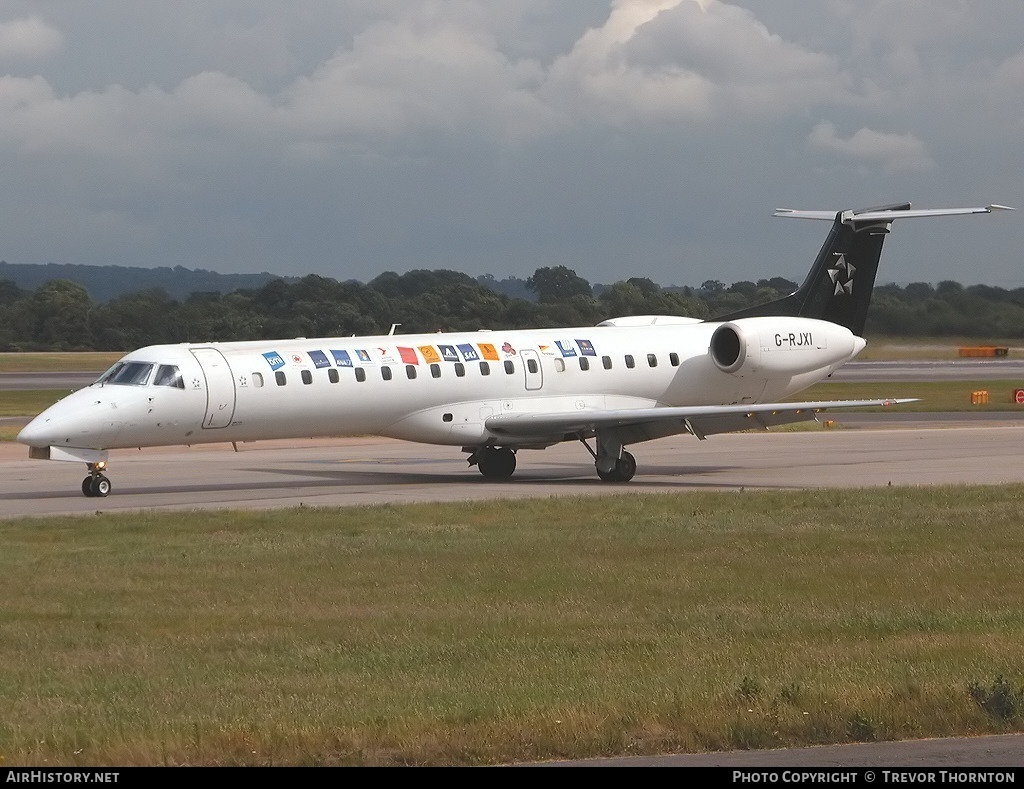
[433, 388]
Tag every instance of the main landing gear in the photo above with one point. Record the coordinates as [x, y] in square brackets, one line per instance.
[494, 462]
[612, 462]
[96, 485]
[624, 470]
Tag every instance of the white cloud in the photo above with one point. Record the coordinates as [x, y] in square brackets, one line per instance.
[29, 37]
[247, 136]
[893, 153]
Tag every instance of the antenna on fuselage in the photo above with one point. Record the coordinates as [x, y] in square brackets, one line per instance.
[393, 327]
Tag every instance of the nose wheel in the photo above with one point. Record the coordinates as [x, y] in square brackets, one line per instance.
[96, 485]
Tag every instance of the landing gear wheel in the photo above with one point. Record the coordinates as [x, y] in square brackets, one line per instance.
[96, 487]
[101, 486]
[497, 463]
[625, 469]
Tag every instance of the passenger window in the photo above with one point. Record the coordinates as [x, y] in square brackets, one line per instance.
[509, 367]
[332, 375]
[435, 371]
[257, 380]
[560, 365]
[460, 369]
[485, 368]
[584, 363]
[652, 360]
[385, 373]
[168, 375]
[279, 377]
[629, 361]
[531, 365]
[673, 359]
[410, 371]
[607, 362]
[307, 377]
[360, 374]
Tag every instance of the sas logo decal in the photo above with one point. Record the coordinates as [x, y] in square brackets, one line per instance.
[341, 358]
[274, 360]
[488, 351]
[319, 359]
[565, 346]
[469, 352]
[586, 347]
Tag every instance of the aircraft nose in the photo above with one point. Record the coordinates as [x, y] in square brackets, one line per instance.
[36, 433]
[50, 428]
[79, 420]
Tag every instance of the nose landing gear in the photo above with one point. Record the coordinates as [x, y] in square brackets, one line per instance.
[96, 485]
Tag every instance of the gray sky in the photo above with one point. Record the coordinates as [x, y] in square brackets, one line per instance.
[617, 137]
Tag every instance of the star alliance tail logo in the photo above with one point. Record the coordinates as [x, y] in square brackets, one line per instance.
[842, 275]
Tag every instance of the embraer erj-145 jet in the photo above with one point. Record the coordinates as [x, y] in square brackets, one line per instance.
[493, 393]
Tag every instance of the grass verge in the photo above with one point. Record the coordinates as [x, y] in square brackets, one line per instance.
[935, 396]
[57, 362]
[489, 633]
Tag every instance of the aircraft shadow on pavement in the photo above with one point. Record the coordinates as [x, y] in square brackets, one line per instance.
[668, 478]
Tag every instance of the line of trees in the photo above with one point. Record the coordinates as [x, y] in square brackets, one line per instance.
[60, 314]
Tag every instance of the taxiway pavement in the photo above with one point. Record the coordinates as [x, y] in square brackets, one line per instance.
[866, 451]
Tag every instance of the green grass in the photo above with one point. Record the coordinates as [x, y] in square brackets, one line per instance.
[880, 348]
[29, 402]
[935, 396]
[57, 362]
[489, 633]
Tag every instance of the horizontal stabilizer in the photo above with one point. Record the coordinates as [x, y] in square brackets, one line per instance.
[872, 215]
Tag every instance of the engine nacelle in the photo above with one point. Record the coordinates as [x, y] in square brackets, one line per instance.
[770, 345]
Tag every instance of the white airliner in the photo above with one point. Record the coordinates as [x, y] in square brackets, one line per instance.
[493, 393]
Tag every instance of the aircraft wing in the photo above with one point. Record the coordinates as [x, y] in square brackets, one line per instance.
[633, 425]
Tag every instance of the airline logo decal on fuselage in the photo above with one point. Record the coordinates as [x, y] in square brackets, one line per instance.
[274, 360]
[586, 347]
[565, 346]
[469, 352]
[448, 353]
[430, 354]
[463, 351]
[319, 359]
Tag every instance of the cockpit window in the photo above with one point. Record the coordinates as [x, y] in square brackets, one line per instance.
[127, 373]
[168, 375]
[110, 373]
